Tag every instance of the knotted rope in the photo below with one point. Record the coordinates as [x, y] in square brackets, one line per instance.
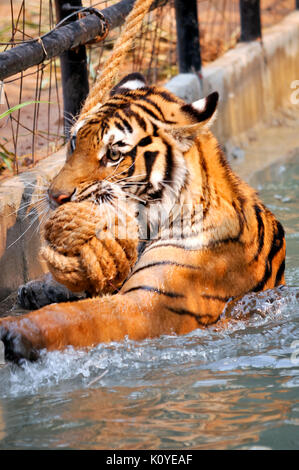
[87, 251]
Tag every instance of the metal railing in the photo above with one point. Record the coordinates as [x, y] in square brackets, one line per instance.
[199, 38]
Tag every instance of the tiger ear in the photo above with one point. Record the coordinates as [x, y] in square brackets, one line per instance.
[200, 115]
[202, 111]
[133, 81]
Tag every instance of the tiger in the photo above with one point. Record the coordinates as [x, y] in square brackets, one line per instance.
[159, 153]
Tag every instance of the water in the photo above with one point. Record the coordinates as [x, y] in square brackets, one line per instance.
[214, 389]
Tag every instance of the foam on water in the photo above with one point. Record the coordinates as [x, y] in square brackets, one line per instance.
[260, 334]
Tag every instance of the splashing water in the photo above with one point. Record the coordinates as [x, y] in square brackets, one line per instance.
[219, 388]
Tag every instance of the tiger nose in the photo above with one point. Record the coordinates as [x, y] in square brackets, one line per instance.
[61, 197]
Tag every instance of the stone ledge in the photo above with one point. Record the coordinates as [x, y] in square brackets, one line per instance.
[19, 240]
[186, 86]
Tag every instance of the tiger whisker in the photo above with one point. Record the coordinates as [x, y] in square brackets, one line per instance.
[133, 196]
[44, 183]
[37, 185]
[134, 176]
[22, 234]
[38, 195]
[42, 216]
[26, 205]
[34, 194]
[117, 166]
[134, 183]
[166, 186]
[40, 207]
[118, 174]
[129, 178]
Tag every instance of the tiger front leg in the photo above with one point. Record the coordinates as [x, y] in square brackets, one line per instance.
[88, 322]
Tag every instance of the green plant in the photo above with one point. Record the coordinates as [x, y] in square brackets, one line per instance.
[18, 106]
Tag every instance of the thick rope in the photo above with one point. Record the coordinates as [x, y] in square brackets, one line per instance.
[84, 252]
[123, 44]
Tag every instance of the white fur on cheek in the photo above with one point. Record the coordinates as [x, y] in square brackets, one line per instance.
[102, 152]
[156, 178]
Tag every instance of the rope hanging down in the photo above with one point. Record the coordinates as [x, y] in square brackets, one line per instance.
[123, 44]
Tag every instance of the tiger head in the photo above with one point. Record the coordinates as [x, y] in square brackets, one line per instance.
[133, 146]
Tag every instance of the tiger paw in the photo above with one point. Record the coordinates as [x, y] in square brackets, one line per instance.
[17, 347]
[38, 293]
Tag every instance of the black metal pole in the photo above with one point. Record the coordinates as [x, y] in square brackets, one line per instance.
[74, 73]
[66, 37]
[297, 4]
[53, 44]
[188, 44]
[250, 13]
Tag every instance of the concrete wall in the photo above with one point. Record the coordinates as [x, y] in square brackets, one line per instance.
[253, 80]
[19, 234]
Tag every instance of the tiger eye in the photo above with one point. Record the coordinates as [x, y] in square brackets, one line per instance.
[113, 154]
[73, 142]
